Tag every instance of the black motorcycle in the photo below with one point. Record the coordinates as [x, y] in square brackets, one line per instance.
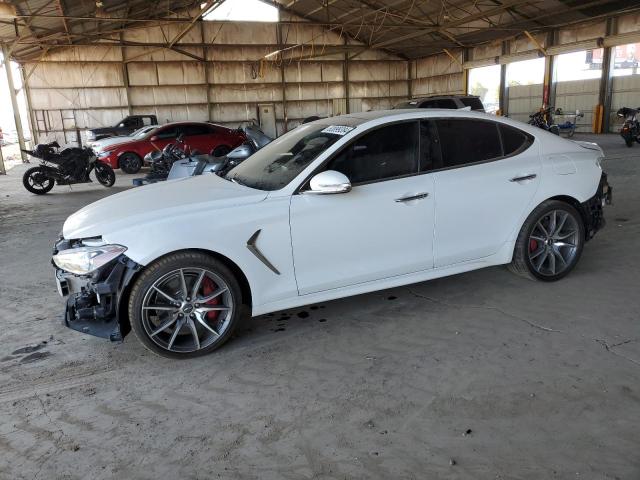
[543, 119]
[630, 130]
[161, 161]
[64, 167]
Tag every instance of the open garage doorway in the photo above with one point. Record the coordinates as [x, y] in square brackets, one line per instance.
[524, 88]
[485, 82]
[8, 132]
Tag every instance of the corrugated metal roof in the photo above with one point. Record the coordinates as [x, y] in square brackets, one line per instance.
[407, 28]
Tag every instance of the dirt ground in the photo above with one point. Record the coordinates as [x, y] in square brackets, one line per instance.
[478, 376]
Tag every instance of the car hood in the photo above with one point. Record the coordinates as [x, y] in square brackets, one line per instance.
[157, 201]
[100, 145]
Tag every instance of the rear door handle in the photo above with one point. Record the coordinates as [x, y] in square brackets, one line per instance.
[525, 177]
[418, 196]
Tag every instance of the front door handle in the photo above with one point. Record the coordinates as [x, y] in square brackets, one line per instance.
[418, 196]
[523, 178]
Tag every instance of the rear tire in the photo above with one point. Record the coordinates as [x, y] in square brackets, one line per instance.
[185, 324]
[37, 181]
[130, 163]
[550, 242]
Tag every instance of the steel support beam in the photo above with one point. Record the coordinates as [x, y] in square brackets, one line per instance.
[14, 102]
[606, 80]
[3, 171]
[283, 80]
[503, 93]
[345, 78]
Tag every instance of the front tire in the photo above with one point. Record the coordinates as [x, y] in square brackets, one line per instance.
[37, 181]
[105, 174]
[185, 305]
[220, 151]
[550, 242]
[130, 163]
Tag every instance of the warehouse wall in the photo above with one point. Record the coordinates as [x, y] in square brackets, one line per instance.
[88, 87]
[524, 100]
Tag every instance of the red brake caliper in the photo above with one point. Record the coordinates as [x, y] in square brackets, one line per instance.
[208, 287]
[533, 245]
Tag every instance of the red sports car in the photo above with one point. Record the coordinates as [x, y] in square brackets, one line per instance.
[202, 136]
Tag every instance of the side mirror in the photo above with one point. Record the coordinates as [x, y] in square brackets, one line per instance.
[329, 182]
[154, 138]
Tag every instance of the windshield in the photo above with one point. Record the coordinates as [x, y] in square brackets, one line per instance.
[141, 132]
[279, 162]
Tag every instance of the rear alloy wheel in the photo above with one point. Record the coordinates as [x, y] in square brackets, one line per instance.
[550, 242]
[130, 163]
[37, 181]
[185, 305]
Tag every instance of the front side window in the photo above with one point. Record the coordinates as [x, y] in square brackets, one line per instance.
[383, 153]
[464, 141]
[282, 160]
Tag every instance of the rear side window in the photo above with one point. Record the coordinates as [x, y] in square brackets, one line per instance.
[190, 130]
[384, 153]
[465, 141]
[472, 102]
[513, 140]
[169, 132]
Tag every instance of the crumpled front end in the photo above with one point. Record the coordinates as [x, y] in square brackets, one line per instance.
[93, 300]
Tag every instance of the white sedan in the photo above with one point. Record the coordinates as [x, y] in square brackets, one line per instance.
[337, 207]
[99, 145]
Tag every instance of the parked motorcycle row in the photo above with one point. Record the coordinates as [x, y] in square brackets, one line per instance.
[630, 130]
[64, 167]
[179, 160]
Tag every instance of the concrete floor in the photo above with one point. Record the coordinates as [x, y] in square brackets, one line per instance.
[545, 378]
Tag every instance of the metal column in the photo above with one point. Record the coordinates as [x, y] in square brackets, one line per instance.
[606, 81]
[14, 102]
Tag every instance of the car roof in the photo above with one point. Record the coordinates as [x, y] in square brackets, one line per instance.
[387, 116]
[208, 124]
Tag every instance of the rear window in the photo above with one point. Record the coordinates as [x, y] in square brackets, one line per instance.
[440, 103]
[472, 102]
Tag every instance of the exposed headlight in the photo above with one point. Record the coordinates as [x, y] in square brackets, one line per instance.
[84, 260]
[104, 154]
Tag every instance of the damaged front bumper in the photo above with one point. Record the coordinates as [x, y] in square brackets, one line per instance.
[593, 209]
[94, 300]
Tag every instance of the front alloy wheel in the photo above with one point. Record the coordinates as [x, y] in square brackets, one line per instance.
[550, 242]
[185, 305]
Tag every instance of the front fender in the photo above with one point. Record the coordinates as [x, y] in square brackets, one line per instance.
[225, 232]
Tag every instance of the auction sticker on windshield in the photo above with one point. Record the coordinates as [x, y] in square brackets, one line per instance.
[338, 129]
